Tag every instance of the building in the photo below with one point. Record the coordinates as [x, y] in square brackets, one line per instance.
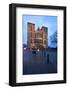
[37, 38]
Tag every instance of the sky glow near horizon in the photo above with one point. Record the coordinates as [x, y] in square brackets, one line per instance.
[48, 21]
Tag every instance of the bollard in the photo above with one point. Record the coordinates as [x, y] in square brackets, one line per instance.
[48, 61]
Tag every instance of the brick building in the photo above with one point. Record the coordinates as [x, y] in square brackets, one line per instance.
[37, 38]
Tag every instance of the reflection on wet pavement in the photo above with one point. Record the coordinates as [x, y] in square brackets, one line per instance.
[41, 62]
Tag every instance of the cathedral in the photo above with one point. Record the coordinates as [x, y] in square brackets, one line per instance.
[37, 38]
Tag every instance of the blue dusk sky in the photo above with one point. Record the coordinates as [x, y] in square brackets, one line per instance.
[39, 21]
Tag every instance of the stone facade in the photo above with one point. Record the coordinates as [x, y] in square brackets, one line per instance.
[37, 39]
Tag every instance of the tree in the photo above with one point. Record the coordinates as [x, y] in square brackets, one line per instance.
[53, 39]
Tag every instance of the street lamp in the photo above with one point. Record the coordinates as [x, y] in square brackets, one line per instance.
[24, 48]
[38, 50]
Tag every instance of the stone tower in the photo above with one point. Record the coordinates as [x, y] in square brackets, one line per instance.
[37, 38]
